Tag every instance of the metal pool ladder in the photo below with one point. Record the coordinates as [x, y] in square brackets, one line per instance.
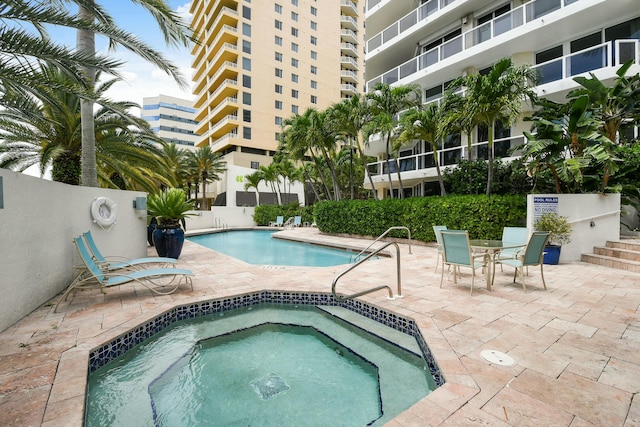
[396, 227]
[377, 288]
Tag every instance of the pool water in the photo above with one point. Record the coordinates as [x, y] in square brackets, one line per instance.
[263, 365]
[259, 247]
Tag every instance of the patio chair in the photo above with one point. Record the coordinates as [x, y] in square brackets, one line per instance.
[436, 230]
[457, 253]
[516, 237]
[152, 279]
[531, 256]
[297, 221]
[111, 263]
[278, 222]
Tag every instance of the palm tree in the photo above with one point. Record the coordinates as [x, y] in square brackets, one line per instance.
[424, 124]
[26, 46]
[46, 131]
[253, 180]
[386, 103]
[177, 159]
[175, 33]
[350, 118]
[209, 166]
[497, 97]
[290, 174]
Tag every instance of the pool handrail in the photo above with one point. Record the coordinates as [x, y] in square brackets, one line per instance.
[377, 288]
[395, 227]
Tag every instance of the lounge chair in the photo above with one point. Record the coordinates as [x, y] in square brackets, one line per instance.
[111, 263]
[457, 253]
[153, 279]
[531, 256]
[297, 221]
[436, 230]
[278, 222]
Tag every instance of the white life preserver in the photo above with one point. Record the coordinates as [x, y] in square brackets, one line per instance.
[104, 212]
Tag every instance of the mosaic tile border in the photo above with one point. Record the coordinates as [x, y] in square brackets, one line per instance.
[102, 355]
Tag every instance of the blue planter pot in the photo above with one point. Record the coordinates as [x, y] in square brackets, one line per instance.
[150, 229]
[551, 255]
[168, 241]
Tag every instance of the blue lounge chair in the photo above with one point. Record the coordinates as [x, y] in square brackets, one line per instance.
[278, 222]
[297, 221]
[111, 263]
[153, 279]
[531, 256]
[457, 253]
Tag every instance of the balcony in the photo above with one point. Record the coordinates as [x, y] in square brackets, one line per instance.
[489, 30]
[223, 141]
[348, 89]
[348, 22]
[349, 49]
[225, 125]
[590, 59]
[349, 76]
[423, 164]
[348, 62]
[348, 7]
[408, 21]
[349, 36]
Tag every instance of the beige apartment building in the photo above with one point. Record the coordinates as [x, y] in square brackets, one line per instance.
[260, 62]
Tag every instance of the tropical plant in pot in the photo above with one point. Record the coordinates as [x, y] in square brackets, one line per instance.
[560, 233]
[169, 208]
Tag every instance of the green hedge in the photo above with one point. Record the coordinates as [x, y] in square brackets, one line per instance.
[264, 214]
[483, 217]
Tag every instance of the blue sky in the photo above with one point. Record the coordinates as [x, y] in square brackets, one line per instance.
[141, 78]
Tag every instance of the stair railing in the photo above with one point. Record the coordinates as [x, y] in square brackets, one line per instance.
[397, 227]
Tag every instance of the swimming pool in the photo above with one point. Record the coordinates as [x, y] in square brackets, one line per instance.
[259, 247]
[131, 386]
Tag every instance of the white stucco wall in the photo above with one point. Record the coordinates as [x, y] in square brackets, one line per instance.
[38, 222]
[220, 217]
[594, 218]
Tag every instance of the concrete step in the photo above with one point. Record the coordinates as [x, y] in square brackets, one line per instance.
[612, 261]
[618, 251]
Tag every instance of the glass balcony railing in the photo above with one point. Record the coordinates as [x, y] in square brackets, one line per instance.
[409, 20]
[502, 147]
[487, 31]
[590, 59]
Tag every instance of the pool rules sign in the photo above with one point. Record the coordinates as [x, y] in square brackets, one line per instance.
[543, 205]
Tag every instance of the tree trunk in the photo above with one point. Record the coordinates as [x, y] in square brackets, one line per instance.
[389, 167]
[401, 190]
[363, 159]
[204, 191]
[490, 159]
[85, 43]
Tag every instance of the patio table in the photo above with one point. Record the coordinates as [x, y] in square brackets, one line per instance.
[491, 248]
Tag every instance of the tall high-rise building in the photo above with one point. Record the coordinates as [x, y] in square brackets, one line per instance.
[432, 42]
[260, 62]
[172, 119]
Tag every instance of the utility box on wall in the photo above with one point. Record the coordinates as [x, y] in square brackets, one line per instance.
[594, 219]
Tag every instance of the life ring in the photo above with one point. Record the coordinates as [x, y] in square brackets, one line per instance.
[104, 212]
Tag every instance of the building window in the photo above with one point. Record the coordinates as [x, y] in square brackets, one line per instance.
[314, 84]
[294, 109]
[294, 46]
[278, 72]
[294, 2]
[246, 98]
[277, 136]
[246, 46]
[294, 78]
[278, 105]
[314, 40]
[246, 30]
[314, 11]
[246, 132]
[278, 120]
[246, 116]
[314, 69]
[246, 81]
[246, 12]
[294, 32]
[314, 25]
[279, 40]
[278, 88]
[294, 62]
[278, 57]
[278, 25]
[278, 8]
[314, 55]
[246, 64]
[255, 165]
[294, 16]
[294, 93]
[314, 99]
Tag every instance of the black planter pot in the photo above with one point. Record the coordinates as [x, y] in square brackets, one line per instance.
[168, 241]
